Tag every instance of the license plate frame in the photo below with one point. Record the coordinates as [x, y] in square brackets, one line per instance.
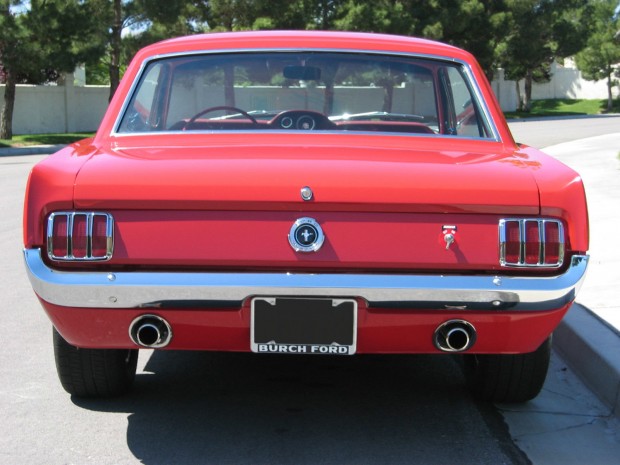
[298, 325]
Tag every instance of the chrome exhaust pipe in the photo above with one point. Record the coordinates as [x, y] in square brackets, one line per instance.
[454, 336]
[150, 331]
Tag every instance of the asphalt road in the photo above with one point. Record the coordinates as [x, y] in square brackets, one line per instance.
[241, 408]
[545, 132]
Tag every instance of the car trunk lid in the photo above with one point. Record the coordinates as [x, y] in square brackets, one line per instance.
[269, 176]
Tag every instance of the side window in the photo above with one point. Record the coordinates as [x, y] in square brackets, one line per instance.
[467, 120]
[140, 116]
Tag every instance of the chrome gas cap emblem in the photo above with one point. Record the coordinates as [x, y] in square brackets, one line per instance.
[306, 235]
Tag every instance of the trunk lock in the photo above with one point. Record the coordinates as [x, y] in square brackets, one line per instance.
[449, 234]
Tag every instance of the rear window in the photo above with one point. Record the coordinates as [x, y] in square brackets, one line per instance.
[309, 91]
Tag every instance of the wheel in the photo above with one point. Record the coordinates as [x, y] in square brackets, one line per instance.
[94, 372]
[218, 108]
[508, 378]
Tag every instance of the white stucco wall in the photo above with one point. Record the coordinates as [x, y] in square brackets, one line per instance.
[67, 108]
[71, 108]
[566, 83]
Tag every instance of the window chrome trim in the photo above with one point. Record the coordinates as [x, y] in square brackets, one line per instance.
[485, 112]
[155, 289]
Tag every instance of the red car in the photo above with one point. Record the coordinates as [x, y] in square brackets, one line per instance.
[311, 193]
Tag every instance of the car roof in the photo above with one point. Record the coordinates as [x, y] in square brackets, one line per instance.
[332, 40]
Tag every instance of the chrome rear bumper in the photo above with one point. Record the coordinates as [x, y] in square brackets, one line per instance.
[199, 289]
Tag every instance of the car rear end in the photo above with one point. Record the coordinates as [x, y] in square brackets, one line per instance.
[360, 202]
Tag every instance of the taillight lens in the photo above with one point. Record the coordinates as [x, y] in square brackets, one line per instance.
[554, 243]
[512, 242]
[531, 242]
[59, 243]
[80, 236]
[101, 236]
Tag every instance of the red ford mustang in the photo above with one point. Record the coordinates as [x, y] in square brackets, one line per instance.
[305, 193]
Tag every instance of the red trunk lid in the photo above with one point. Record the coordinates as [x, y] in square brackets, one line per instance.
[266, 176]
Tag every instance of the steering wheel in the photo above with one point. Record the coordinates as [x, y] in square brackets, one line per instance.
[217, 108]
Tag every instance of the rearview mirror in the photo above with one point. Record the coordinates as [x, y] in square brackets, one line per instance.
[303, 73]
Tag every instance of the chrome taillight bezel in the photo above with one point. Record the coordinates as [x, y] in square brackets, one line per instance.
[90, 219]
[541, 225]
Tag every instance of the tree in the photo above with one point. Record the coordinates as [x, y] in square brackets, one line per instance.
[148, 21]
[239, 15]
[11, 35]
[377, 16]
[114, 16]
[600, 58]
[474, 25]
[540, 31]
[41, 39]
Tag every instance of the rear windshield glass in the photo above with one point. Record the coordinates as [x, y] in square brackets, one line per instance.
[313, 91]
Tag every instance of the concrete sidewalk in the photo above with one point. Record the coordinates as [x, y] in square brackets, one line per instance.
[589, 336]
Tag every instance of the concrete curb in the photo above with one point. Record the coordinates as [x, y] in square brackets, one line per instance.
[31, 150]
[592, 349]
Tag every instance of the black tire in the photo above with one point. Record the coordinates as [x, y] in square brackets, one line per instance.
[508, 378]
[94, 372]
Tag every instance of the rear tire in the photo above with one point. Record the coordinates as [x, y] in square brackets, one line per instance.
[508, 378]
[94, 372]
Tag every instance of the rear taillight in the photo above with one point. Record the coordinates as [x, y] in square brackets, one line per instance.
[531, 242]
[80, 236]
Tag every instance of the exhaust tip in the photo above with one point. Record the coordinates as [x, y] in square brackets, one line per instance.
[454, 336]
[150, 331]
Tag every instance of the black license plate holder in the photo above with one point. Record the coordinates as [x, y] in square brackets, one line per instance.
[303, 325]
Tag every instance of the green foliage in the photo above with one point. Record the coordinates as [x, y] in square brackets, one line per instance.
[239, 15]
[522, 36]
[41, 39]
[98, 74]
[596, 61]
[26, 140]
[378, 16]
[565, 107]
[46, 39]
[475, 25]
[539, 31]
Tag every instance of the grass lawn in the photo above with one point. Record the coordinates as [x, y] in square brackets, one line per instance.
[565, 107]
[25, 140]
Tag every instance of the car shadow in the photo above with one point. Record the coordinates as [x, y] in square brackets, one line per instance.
[199, 407]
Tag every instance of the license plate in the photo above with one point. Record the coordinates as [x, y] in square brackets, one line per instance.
[304, 326]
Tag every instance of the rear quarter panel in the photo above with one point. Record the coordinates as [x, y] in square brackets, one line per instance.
[50, 188]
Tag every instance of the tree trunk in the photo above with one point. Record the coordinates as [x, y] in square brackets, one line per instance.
[388, 97]
[325, 25]
[519, 99]
[229, 85]
[115, 44]
[610, 98]
[6, 119]
[328, 104]
[528, 91]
